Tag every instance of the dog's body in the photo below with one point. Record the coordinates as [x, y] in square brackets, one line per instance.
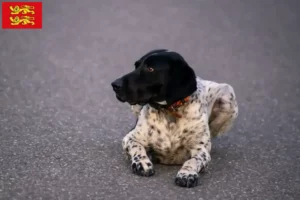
[181, 135]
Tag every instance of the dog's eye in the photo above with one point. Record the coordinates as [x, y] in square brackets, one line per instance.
[150, 69]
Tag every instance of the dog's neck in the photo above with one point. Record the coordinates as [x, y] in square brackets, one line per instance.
[171, 108]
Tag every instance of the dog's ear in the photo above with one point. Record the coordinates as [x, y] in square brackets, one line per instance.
[182, 79]
[139, 62]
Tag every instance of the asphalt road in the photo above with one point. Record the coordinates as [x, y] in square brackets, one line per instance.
[61, 126]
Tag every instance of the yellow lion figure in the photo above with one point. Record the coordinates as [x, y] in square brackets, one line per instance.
[25, 9]
[21, 20]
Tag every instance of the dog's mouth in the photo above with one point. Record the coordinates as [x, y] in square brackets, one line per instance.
[123, 100]
[120, 98]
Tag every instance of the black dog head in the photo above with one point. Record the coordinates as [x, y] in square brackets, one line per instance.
[159, 75]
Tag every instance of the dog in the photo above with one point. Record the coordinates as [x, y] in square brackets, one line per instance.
[177, 115]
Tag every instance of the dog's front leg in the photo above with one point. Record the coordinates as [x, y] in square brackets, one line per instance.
[141, 164]
[188, 174]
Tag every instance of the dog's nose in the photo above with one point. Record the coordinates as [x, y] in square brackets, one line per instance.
[117, 85]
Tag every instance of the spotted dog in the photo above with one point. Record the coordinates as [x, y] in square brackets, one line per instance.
[177, 115]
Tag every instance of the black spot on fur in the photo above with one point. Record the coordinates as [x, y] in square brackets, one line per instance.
[180, 148]
[146, 116]
[183, 139]
[203, 156]
[168, 150]
[158, 131]
[196, 158]
[185, 130]
[231, 96]
[196, 118]
[201, 142]
[160, 140]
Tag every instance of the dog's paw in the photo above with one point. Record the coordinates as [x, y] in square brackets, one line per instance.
[187, 179]
[143, 167]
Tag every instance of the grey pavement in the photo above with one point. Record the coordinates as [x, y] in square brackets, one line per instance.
[61, 126]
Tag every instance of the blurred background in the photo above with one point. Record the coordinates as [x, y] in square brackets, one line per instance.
[61, 126]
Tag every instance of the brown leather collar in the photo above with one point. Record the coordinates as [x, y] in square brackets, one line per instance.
[177, 104]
